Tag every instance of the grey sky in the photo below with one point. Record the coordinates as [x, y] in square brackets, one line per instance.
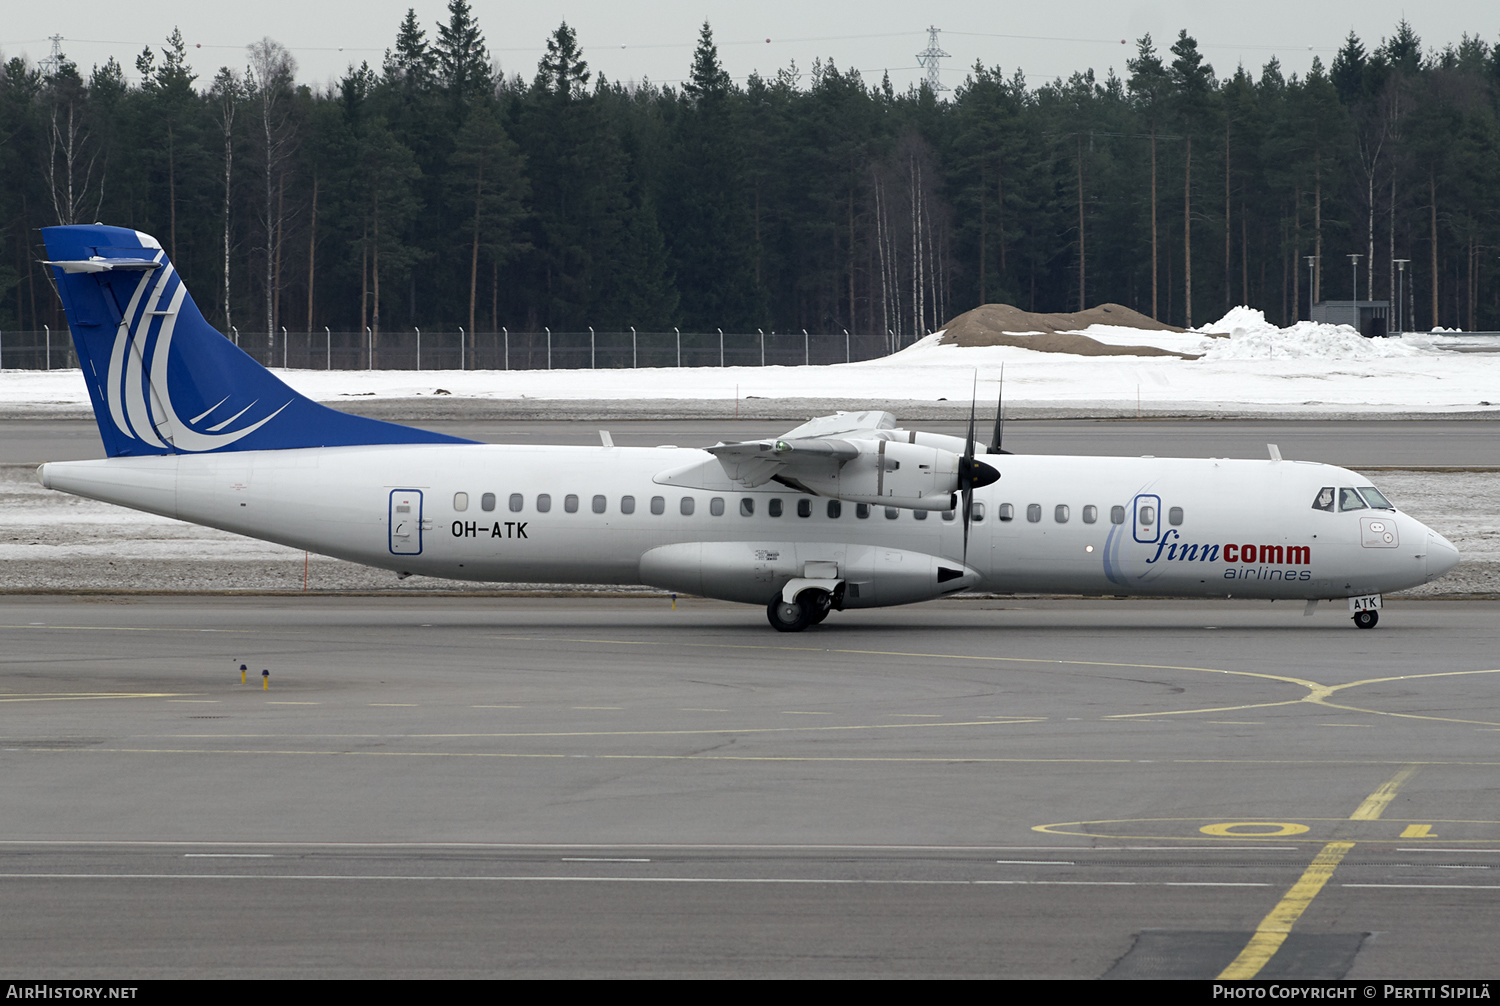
[629, 42]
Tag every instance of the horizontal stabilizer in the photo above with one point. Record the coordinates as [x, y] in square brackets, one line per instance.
[100, 264]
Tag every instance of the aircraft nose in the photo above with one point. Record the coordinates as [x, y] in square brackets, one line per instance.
[1441, 555]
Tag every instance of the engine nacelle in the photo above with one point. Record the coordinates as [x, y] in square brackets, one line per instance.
[754, 572]
[893, 473]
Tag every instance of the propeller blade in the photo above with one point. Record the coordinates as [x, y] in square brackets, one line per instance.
[966, 477]
[997, 437]
[973, 407]
[968, 504]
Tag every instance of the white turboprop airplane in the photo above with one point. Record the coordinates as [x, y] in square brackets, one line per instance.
[846, 511]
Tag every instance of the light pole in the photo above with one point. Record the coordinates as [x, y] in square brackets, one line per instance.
[1400, 293]
[1354, 258]
[1310, 260]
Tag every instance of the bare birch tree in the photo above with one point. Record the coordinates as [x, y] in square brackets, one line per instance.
[269, 86]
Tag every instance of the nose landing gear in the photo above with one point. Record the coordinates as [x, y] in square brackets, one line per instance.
[1366, 619]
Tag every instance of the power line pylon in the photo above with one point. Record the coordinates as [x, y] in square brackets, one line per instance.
[54, 62]
[928, 59]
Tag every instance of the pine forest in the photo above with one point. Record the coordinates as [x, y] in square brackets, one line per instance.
[435, 192]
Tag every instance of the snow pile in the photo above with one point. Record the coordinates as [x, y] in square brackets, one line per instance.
[1306, 340]
[1238, 317]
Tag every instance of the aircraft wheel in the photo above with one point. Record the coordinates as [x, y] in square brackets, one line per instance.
[1366, 619]
[789, 617]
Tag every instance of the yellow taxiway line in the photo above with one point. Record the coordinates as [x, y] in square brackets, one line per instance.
[1277, 925]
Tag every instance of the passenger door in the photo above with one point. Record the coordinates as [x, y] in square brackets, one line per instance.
[1146, 513]
[405, 521]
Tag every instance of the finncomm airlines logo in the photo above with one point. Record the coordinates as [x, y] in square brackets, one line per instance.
[1172, 549]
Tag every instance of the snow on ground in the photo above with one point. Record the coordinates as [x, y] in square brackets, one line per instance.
[1306, 367]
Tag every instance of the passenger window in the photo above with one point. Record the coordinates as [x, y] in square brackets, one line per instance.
[599, 504]
[686, 506]
[949, 514]
[804, 508]
[835, 509]
[570, 503]
[1090, 514]
[747, 506]
[543, 503]
[487, 502]
[919, 514]
[976, 511]
[1350, 500]
[460, 502]
[891, 513]
[1060, 513]
[516, 502]
[716, 506]
[773, 509]
[1324, 499]
[1174, 516]
[627, 504]
[1148, 516]
[1034, 512]
[1117, 515]
[1007, 512]
[861, 510]
[658, 505]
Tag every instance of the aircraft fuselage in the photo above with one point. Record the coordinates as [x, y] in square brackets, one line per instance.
[605, 515]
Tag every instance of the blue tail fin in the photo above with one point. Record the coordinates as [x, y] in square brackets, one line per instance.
[162, 380]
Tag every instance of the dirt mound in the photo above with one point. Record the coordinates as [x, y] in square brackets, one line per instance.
[1004, 325]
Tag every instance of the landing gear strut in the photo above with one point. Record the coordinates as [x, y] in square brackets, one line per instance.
[1366, 619]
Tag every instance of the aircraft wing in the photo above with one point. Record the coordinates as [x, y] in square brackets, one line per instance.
[815, 450]
[756, 462]
[857, 456]
[844, 424]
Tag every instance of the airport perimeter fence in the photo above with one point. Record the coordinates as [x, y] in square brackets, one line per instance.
[414, 349]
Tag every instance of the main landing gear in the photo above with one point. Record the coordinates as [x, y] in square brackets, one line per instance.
[810, 608]
[1366, 619]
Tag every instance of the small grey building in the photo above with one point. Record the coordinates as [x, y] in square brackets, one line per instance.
[1373, 316]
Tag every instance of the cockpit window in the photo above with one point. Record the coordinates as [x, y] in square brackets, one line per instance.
[1324, 499]
[1349, 499]
[1374, 497]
